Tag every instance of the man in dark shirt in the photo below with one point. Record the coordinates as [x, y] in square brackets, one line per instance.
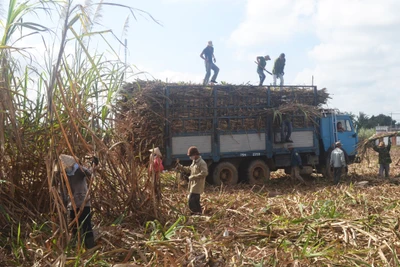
[209, 59]
[77, 176]
[279, 67]
[262, 62]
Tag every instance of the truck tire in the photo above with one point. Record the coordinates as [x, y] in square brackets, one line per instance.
[225, 173]
[258, 172]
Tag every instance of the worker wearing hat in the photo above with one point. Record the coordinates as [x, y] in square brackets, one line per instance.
[262, 62]
[337, 162]
[198, 172]
[80, 201]
[209, 60]
[384, 156]
[155, 168]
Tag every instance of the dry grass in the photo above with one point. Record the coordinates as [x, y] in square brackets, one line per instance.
[281, 224]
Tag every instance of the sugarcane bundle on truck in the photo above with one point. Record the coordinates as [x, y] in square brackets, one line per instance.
[238, 128]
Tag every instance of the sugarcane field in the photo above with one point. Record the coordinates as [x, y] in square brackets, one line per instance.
[122, 146]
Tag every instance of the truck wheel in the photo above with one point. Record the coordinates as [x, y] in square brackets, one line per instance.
[225, 173]
[258, 172]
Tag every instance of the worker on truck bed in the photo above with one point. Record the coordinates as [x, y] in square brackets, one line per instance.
[209, 59]
[198, 172]
[278, 70]
[286, 129]
[295, 164]
[384, 157]
[338, 162]
[262, 62]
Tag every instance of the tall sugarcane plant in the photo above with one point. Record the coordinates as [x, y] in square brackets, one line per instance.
[69, 112]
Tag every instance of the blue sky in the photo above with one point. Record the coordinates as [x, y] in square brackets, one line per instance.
[349, 46]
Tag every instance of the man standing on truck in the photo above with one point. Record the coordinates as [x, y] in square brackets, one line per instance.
[337, 162]
[262, 62]
[209, 59]
[278, 70]
[384, 156]
[197, 179]
[295, 164]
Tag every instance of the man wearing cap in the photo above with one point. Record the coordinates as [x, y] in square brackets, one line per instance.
[278, 70]
[209, 59]
[337, 162]
[262, 62]
[295, 164]
[198, 172]
[384, 157]
[77, 176]
[155, 168]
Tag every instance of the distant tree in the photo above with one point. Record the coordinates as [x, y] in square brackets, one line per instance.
[362, 121]
[381, 120]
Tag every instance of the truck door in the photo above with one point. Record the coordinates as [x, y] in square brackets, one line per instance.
[346, 134]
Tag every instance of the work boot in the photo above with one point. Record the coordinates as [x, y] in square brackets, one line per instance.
[89, 242]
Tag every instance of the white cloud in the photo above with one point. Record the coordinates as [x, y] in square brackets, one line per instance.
[356, 54]
[271, 21]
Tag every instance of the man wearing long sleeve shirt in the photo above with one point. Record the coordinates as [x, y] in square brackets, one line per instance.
[198, 172]
[337, 162]
[384, 157]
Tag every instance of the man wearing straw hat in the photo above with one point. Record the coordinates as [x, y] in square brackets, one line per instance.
[155, 168]
[384, 156]
[295, 164]
[80, 202]
[337, 162]
[198, 172]
[209, 59]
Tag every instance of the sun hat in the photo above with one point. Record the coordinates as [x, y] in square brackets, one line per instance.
[69, 164]
[192, 151]
[156, 151]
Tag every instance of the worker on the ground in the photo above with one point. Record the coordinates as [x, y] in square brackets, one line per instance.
[286, 129]
[278, 70]
[155, 168]
[198, 172]
[384, 157]
[77, 176]
[340, 127]
[209, 59]
[262, 62]
[295, 164]
[338, 162]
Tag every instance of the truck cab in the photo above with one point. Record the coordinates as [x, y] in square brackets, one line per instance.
[336, 126]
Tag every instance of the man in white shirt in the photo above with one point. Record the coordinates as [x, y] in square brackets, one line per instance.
[337, 162]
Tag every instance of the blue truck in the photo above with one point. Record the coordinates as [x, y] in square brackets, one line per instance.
[238, 132]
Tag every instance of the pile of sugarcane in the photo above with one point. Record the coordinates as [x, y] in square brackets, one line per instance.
[363, 146]
[144, 109]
